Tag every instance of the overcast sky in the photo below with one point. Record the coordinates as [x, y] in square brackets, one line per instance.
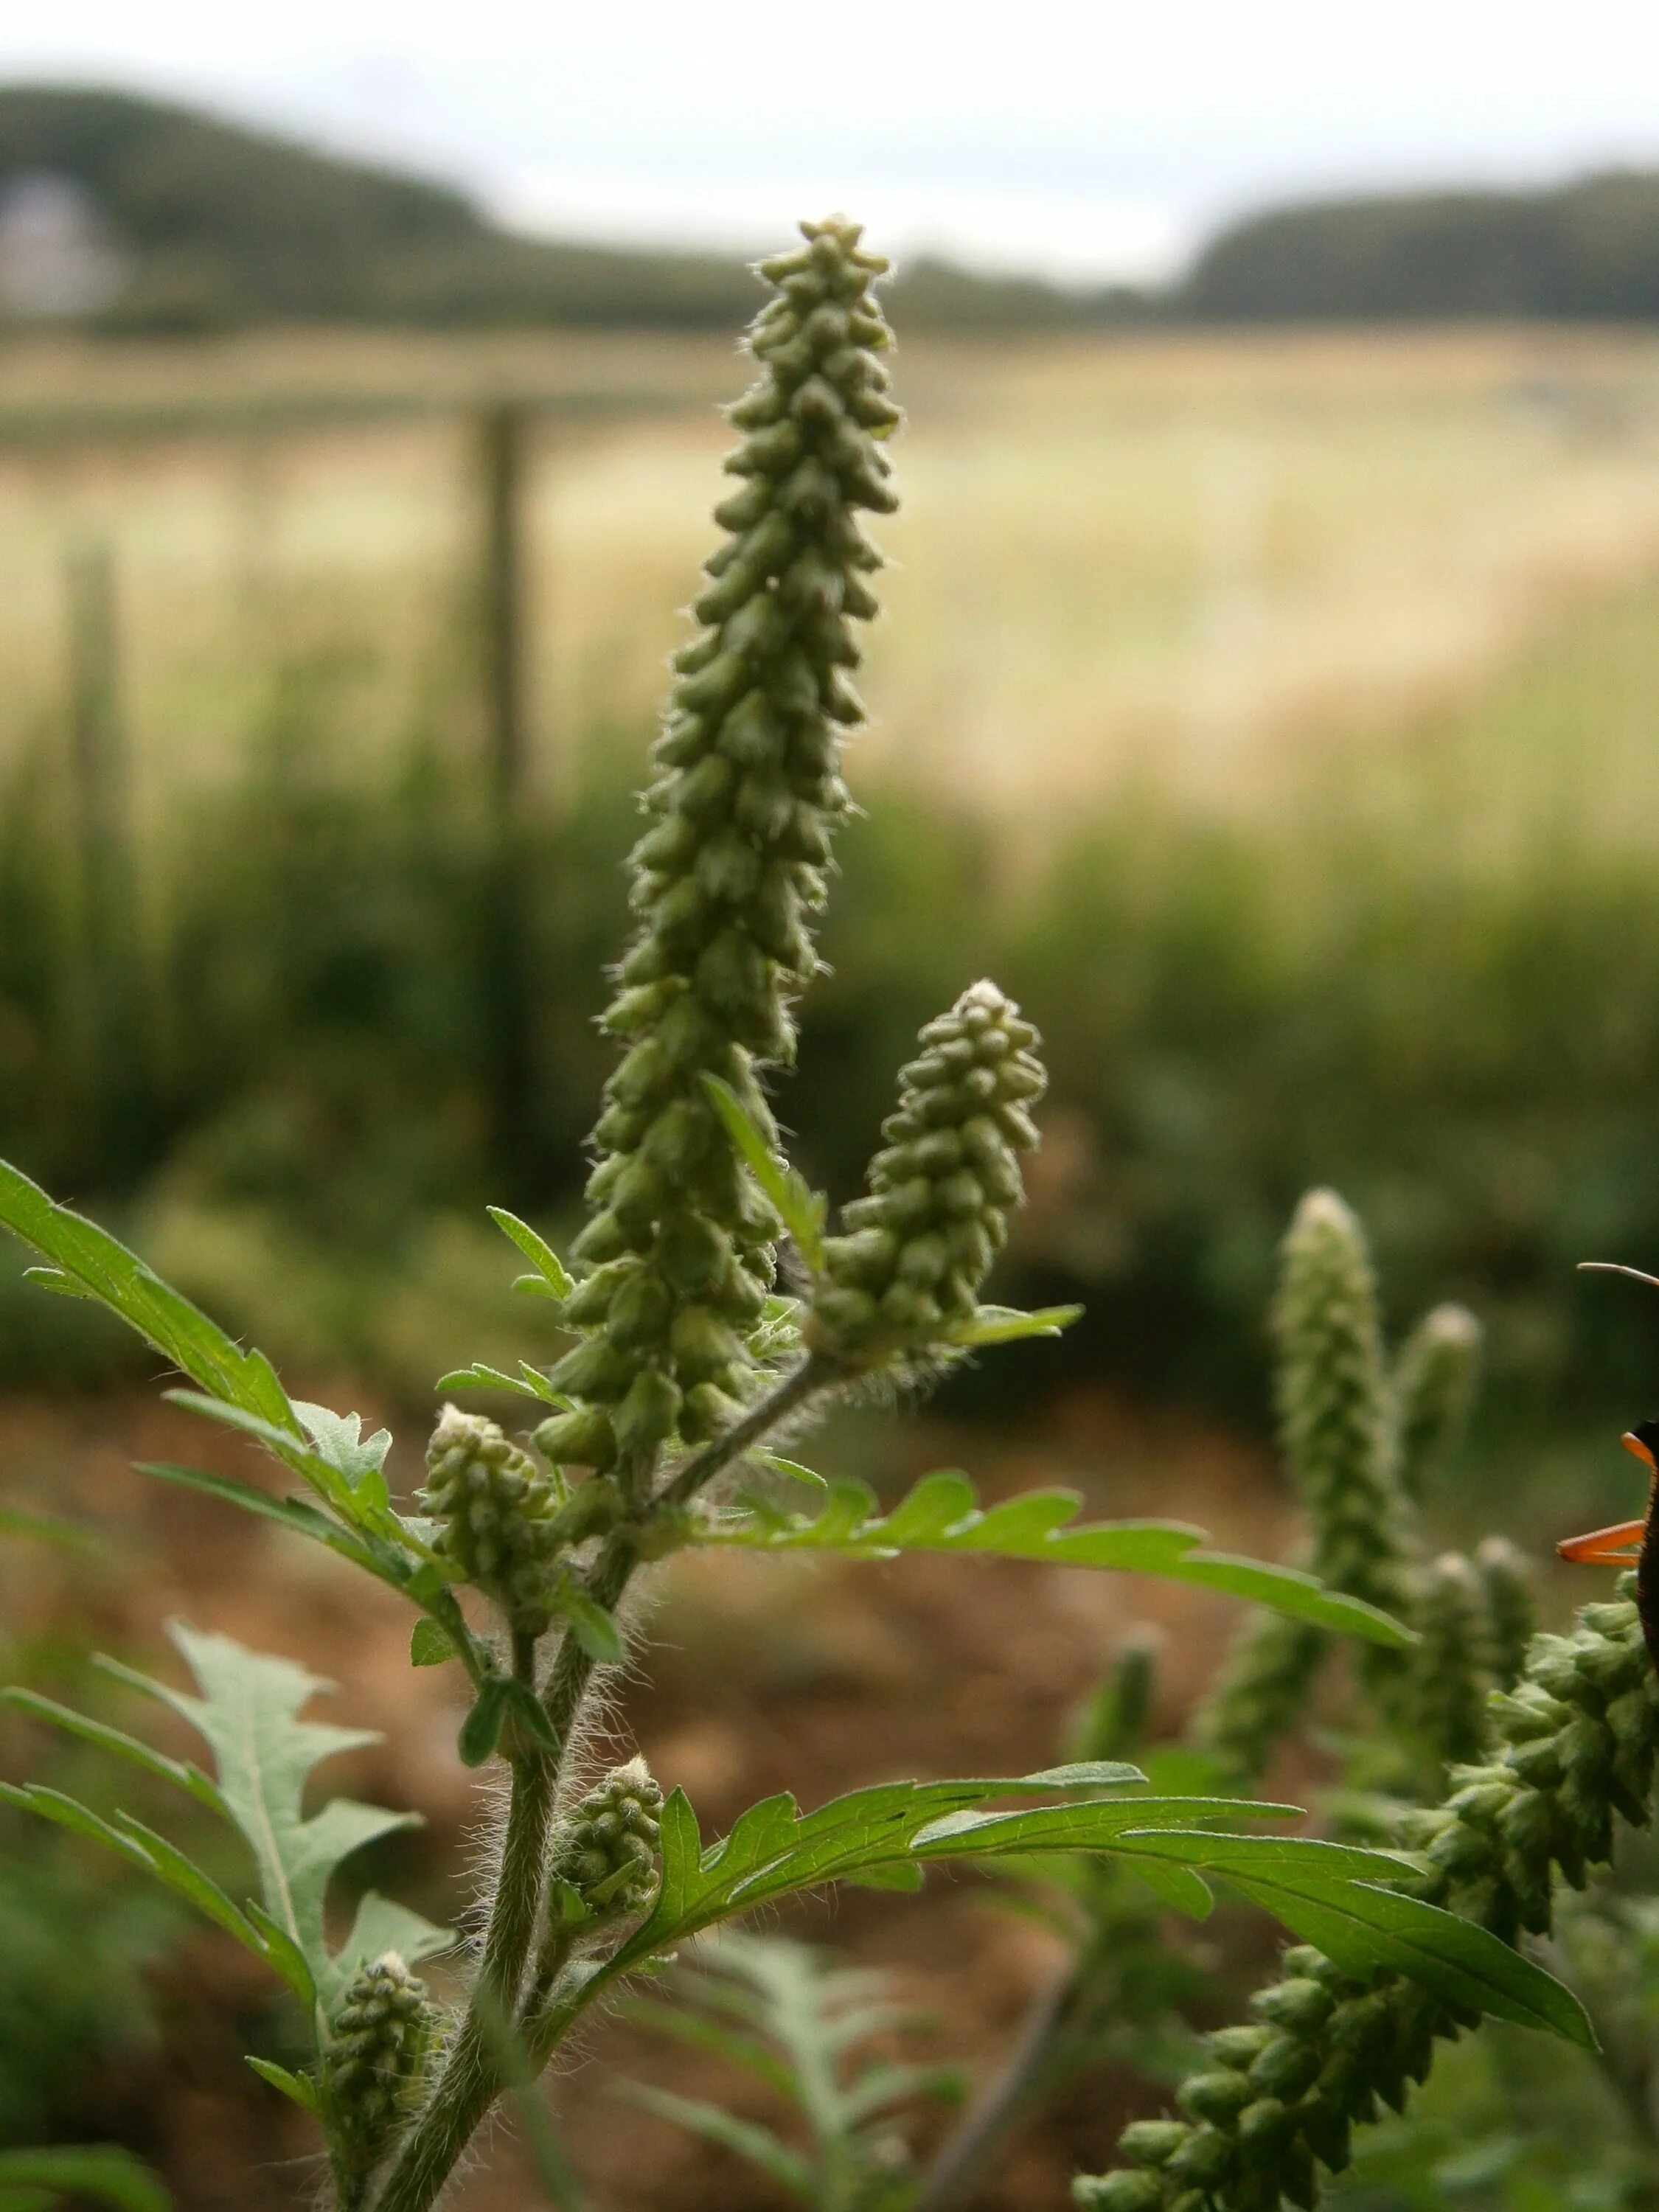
[1088, 140]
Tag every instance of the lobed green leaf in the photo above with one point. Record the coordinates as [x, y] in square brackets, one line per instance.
[942, 1513]
[528, 1382]
[96, 1265]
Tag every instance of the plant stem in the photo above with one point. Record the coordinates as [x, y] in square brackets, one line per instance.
[475, 2075]
[471, 2078]
[960, 2169]
[814, 1374]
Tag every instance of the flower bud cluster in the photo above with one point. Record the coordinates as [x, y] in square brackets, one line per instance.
[748, 791]
[1509, 1607]
[919, 1245]
[607, 1850]
[1333, 1406]
[1337, 1434]
[1575, 1744]
[1445, 1697]
[377, 2041]
[497, 1508]
[1259, 1693]
[1434, 1381]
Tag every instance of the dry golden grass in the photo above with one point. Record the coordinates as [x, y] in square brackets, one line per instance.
[1194, 559]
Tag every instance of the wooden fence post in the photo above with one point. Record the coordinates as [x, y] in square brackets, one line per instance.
[116, 1041]
[506, 981]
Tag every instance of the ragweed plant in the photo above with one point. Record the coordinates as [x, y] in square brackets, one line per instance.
[1531, 1751]
[681, 1349]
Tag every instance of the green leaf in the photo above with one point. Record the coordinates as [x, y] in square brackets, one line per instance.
[324, 1476]
[942, 1514]
[539, 1252]
[525, 1721]
[802, 1209]
[100, 1267]
[746, 2138]
[191, 1779]
[1007, 1325]
[428, 1646]
[903, 1875]
[1329, 1894]
[46, 1529]
[593, 1628]
[481, 1729]
[774, 1847]
[340, 1440]
[300, 2088]
[1178, 1886]
[248, 1711]
[382, 1924]
[291, 1513]
[1340, 1896]
[112, 2176]
[135, 1844]
[529, 1382]
[791, 1467]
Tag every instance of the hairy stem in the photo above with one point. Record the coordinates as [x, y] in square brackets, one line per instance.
[474, 2076]
[471, 2078]
[813, 1375]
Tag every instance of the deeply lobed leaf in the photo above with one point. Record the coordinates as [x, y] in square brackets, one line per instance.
[942, 1513]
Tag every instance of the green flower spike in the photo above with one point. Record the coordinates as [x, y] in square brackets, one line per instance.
[1336, 1437]
[748, 792]
[1434, 1384]
[1574, 1743]
[1260, 1692]
[1333, 1406]
[921, 1243]
[377, 2041]
[607, 1851]
[1510, 1608]
[497, 1508]
[1446, 1697]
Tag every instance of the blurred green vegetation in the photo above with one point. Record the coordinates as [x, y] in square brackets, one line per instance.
[1429, 977]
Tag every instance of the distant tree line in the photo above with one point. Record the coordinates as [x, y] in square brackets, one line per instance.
[198, 225]
[1584, 250]
[213, 226]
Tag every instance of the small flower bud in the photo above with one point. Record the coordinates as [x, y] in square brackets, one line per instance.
[607, 1849]
[919, 1245]
[497, 1506]
[371, 2062]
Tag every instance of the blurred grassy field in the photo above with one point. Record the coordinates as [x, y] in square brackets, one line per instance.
[1197, 561]
[1277, 714]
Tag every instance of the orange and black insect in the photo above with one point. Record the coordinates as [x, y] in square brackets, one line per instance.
[1630, 1543]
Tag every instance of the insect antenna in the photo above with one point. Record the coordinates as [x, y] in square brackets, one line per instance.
[1616, 1267]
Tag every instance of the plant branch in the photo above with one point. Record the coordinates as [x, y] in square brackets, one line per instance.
[471, 2078]
[814, 1374]
[961, 2167]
